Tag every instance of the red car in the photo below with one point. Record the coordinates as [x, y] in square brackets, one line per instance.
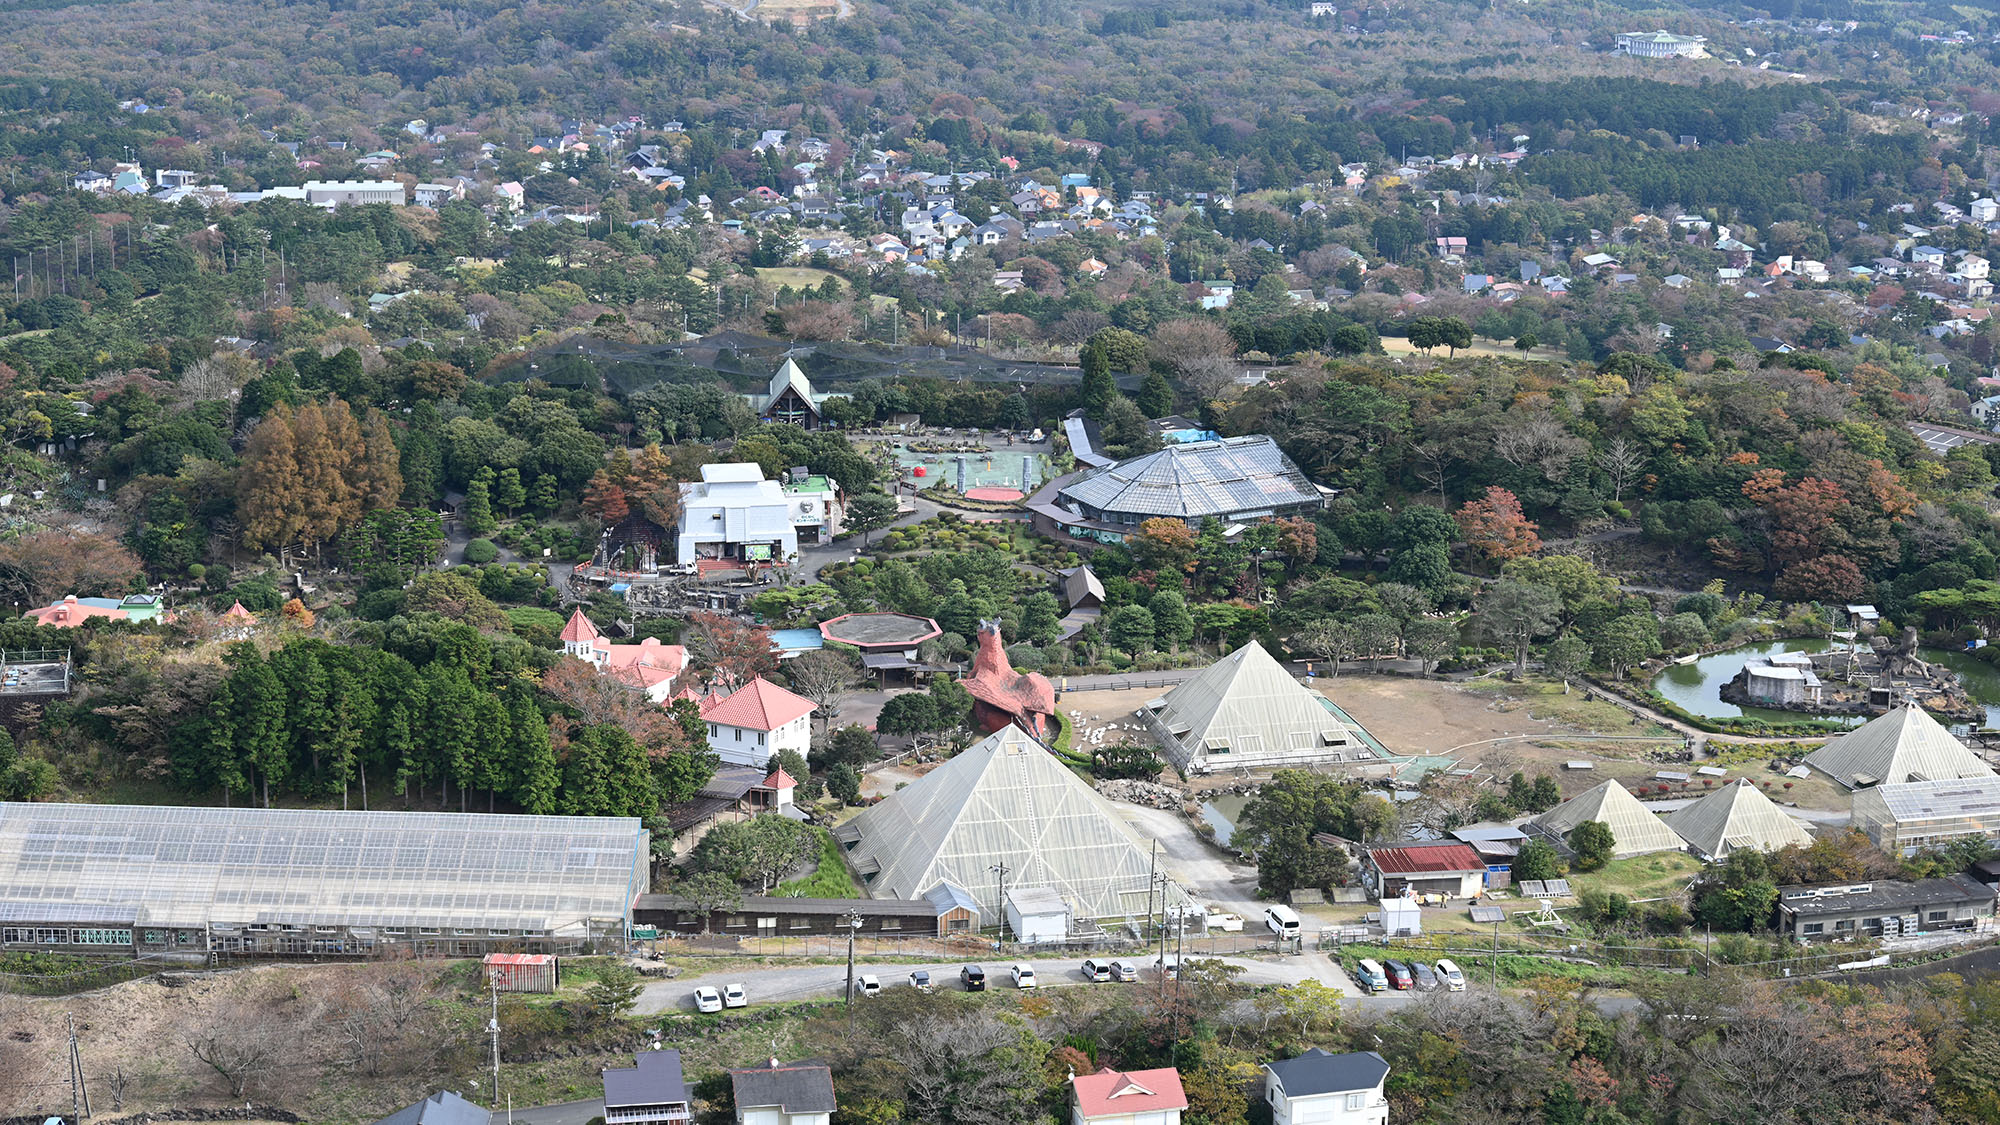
[1399, 975]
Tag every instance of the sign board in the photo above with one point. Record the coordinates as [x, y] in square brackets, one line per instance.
[645, 933]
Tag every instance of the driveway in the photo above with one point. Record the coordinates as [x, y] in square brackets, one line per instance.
[1198, 866]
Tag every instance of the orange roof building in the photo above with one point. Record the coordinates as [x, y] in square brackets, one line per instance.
[758, 720]
[1113, 1097]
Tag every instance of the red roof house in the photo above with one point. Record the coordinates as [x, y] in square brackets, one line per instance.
[648, 666]
[1114, 1097]
[758, 720]
[1448, 869]
[71, 612]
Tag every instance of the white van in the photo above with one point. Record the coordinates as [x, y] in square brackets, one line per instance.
[1283, 920]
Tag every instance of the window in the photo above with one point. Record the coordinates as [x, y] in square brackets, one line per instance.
[1844, 924]
[1935, 916]
[711, 730]
[739, 733]
[760, 738]
[890, 924]
[1354, 1100]
[958, 924]
[1815, 927]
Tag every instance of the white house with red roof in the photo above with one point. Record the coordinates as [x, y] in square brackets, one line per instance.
[758, 720]
[649, 666]
[1135, 1097]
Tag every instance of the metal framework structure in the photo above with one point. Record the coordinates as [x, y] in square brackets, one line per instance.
[196, 881]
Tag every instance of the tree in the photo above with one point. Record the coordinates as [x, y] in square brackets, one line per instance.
[614, 993]
[311, 473]
[508, 491]
[730, 651]
[1620, 459]
[826, 677]
[478, 509]
[1593, 844]
[1431, 639]
[1156, 396]
[1164, 544]
[1494, 526]
[870, 512]
[1627, 641]
[1278, 824]
[1683, 631]
[1374, 634]
[843, 782]
[1172, 624]
[1566, 658]
[41, 566]
[1130, 629]
[974, 1068]
[1098, 388]
[1041, 618]
[1332, 641]
[709, 892]
[1516, 613]
[1537, 861]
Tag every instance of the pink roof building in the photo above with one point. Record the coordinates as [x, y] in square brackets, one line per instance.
[70, 612]
[1121, 1096]
[649, 666]
[758, 720]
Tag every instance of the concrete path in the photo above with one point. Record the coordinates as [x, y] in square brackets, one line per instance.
[1652, 716]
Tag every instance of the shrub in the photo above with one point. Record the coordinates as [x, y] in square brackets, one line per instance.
[479, 552]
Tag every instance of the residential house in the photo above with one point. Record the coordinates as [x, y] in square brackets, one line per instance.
[758, 720]
[799, 1093]
[734, 513]
[1930, 256]
[1451, 248]
[437, 195]
[652, 1092]
[1883, 909]
[1984, 210]
[512, 196]
[647, 666]
[1677, 281]
[1451, 869]
[1987, 410]
[444, 1108]
[1318, 1088]
[1139, 1097]
[1476, 282]
[1738, 254]
[1217, 294]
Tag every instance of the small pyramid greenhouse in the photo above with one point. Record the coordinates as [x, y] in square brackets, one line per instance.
[1246, 710]
[1008, 801]
[1635, 828]
[1905, 744]
[1736, 817]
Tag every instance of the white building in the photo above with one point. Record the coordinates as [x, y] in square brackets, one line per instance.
[1984, 211]
[799, 1093]
[758, 720]
[1661, 45]
[1137, 1097]
[734, 513]
[1037, 914]
[816, 507]
[353, 193]
[647, 666]
[437, 195]
[1322, 1089]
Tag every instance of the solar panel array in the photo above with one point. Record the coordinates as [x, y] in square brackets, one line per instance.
[1206, 478]
[206, 866]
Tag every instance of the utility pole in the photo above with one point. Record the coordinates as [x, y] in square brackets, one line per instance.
[853, 920]
[493, 1027]
[79, 1094]
[1000, 869]
[1152, 878]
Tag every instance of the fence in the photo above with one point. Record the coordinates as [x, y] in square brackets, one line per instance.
[873, 947]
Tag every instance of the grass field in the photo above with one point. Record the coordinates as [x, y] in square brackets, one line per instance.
[1642, 877]
[1397, 345]
[829, 880]
[798, 277]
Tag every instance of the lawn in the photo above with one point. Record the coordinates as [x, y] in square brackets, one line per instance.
[830, 879]
[1545, 700]
[1659, 875]
[798, 277]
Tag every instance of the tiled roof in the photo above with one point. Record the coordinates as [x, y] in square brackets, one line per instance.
[1111, 1093]
[759, 705]
[800, 1087]
[1425, 859]
[579, 628]
[1197, 479]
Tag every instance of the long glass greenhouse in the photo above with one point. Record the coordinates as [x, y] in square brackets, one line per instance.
[156, 879]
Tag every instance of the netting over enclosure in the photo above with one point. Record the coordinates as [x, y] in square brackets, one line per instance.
[745, 363]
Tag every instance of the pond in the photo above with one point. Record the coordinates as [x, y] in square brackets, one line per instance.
[1697, 687]
[1221, 812]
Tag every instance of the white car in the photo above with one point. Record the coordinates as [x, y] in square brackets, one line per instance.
[733, 996]
[869, 985]
[1224, 921]
[1447, 972]
[920, 979]
[707, 1000]
[1024, 976]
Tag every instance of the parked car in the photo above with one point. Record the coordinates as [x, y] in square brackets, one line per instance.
[1426, 980]
[1399, 975]
[1223, 921]
[1124, 972]
[1282, 921]
[920, 980]
[869, 985]
[1169, 966]
[1096, 970]
[973, 978]
[1454, 981]
[707, 1000]
[1369, 974]
[733, 996]
[1024, 976]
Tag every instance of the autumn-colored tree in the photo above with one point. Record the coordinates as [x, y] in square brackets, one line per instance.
[645, 482]
[731, 652]
[1494, 526]
[1829, 578]
[41, 566]
[309, 474]
[297, 614]
[1164, 544]
[590, 698]
[1298, 539]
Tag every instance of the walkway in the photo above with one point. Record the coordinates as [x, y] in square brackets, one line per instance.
[1698, 736]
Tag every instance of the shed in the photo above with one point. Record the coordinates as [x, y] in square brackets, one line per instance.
[1401, 917]
[957, 911]
[521, 972]
[1037, 914]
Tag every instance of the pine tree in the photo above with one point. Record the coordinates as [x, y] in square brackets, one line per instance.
[508, 492]
[421, 459]
[536, 782]
[1156, 396]
[258, 718]
[544, 501]
[479, 508]
[1098, 387]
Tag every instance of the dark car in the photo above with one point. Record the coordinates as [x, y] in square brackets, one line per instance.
[1426, 980]
[973, 978]
[1399, 974]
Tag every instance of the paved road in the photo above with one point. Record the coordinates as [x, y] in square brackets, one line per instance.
[1198, 866]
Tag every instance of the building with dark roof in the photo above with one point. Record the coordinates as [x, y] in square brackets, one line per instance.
[1235, 480]
[798, 1093]
[776, 916]
[1318, 1088]
[1883, 909]
[443, 1108]
[651, 1092]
